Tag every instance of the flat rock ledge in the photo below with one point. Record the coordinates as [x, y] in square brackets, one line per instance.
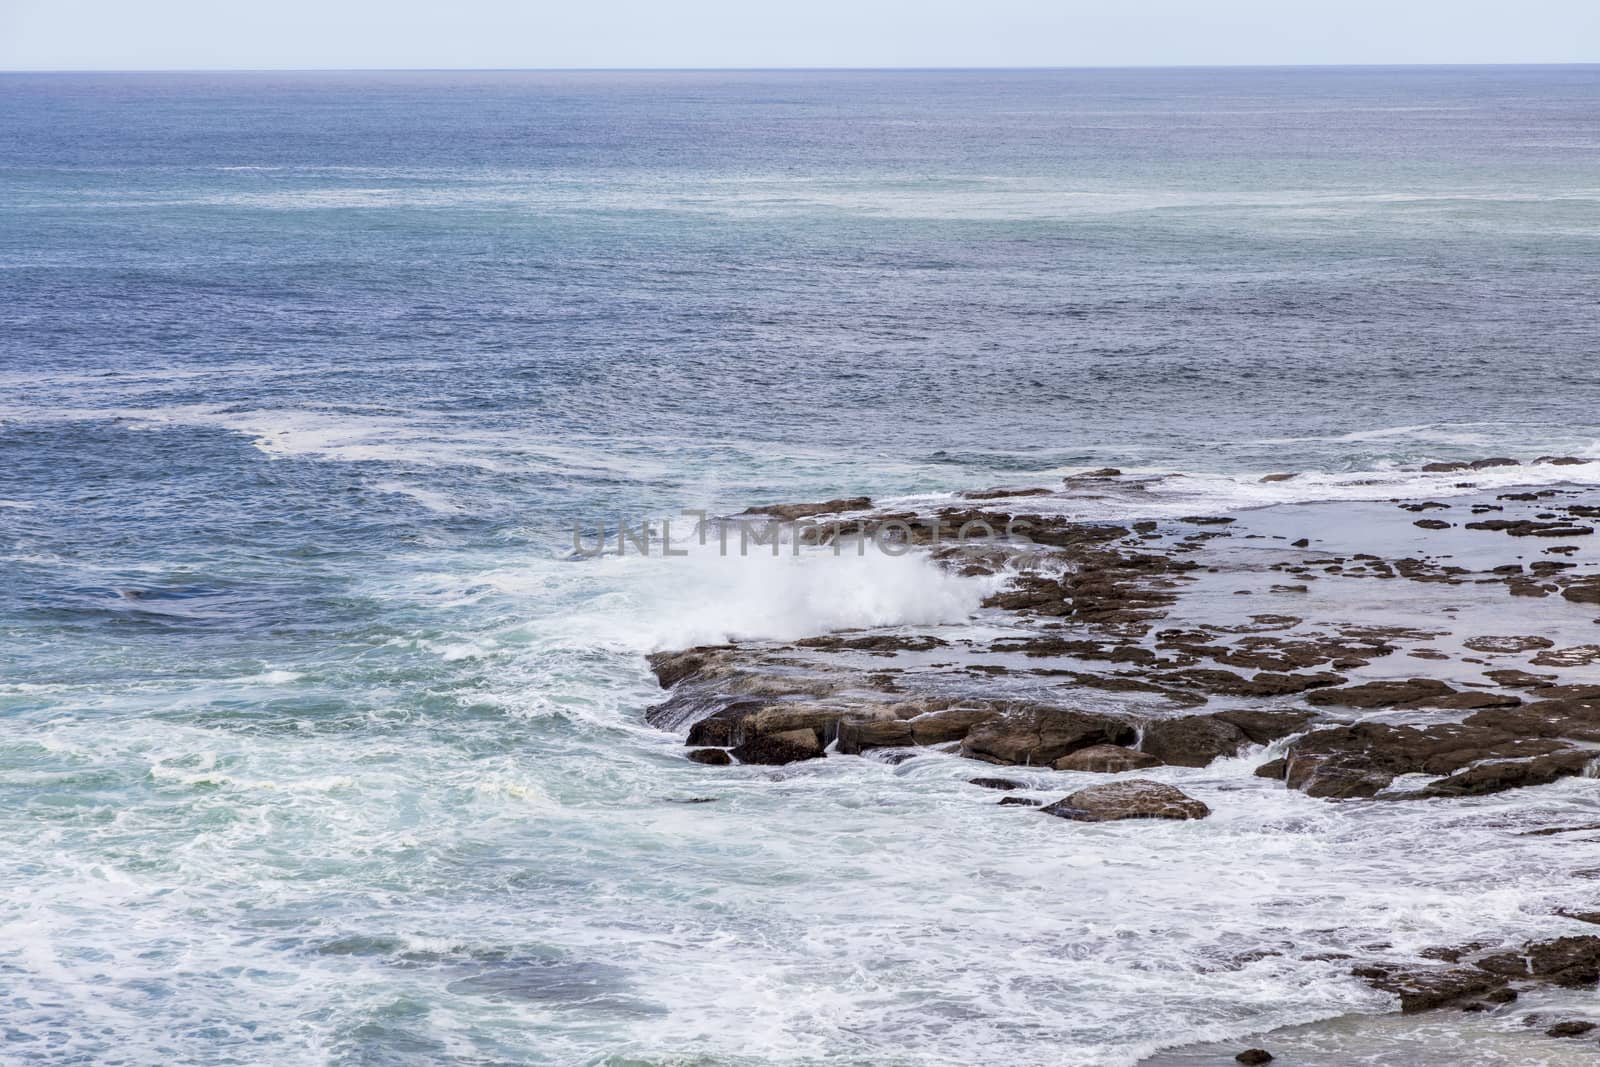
[1098, 670]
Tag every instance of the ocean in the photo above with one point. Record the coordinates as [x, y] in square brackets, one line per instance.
[321, 744]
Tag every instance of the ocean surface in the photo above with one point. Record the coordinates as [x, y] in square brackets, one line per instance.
[318, 744]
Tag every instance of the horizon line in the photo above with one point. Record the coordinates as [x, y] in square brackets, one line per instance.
[797, 68]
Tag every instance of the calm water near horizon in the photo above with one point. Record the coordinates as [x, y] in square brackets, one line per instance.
[319, 747]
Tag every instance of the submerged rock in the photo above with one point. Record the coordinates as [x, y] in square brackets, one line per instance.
[1508, 644]
[714, 757]
[1136, 799]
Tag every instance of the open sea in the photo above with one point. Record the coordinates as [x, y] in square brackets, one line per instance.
[318, 745]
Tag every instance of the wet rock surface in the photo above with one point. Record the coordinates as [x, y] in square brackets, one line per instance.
[1423, 989]
[1371, 662]
[1137, 798]
[1103, 670]
[1106, 759]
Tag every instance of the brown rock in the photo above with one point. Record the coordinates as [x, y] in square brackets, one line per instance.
[1496, 776]
[1571, 1028]
[1264, 684]
[950, 724]
[1515, 679]
[1583, 591]
[1424, 988]
[713, 757]
[1265, 727]
[1253, 1056]
[781, 718]
[1138, 798]
[1532, 528]
[859, 735]
[1106, 759]
[1192, 741]
[1381, 694]
[670, 668]
[1362, 759]
[722, 727]
[790, 512]
[1472, 701]
[1039, 735]
[1582, 916]
[1576, 719]
[775, 749]
[997, 783]
[1275, 769]
[1576, 656]
[1508, 644]
[1003, 494]
[1566, 961]
[873, 643]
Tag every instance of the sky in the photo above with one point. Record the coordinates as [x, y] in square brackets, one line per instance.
[297, 34]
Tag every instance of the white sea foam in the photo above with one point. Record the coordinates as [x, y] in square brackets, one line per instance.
[1158, 493]
[843, 910]
[640, 604]
[434, 501]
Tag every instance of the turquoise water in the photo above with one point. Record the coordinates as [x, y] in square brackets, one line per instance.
[318, 746]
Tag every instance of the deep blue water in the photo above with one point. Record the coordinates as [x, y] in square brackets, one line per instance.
[317, 748]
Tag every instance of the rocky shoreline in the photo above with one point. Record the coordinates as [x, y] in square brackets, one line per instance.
[1398, 651]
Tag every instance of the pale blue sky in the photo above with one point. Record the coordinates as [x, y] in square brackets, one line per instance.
[164, 34]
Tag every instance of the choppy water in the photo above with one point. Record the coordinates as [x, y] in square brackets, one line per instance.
[318, 748]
